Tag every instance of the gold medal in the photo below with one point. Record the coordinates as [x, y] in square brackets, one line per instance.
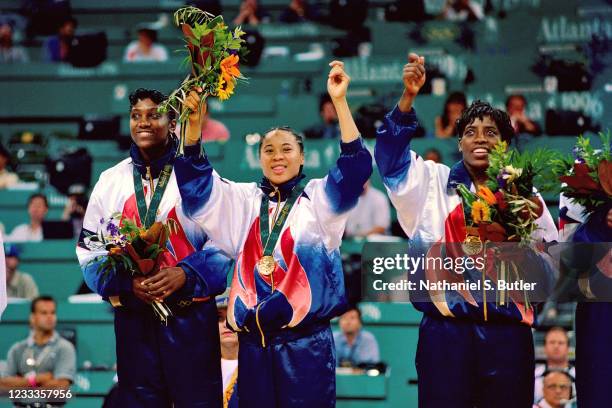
[472, 245]
[266, 265]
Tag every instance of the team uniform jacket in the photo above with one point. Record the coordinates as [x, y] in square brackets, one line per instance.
[430, 210]
[309, 285]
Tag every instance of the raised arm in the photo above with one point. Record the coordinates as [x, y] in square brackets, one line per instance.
[407, 177]
[339, 191]
[222, 208]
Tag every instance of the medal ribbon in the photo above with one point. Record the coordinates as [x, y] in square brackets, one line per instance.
[147, 215]
[264, 225]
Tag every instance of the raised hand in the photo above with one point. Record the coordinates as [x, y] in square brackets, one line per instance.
[414, 74]
[337, 81]
[197, 111]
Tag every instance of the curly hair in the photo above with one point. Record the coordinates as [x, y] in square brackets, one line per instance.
[152, 94]
[479, 109]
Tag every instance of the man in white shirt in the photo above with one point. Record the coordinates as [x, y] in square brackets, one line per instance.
[38, 207]
[556, 348]
[371, 215]
[557, 390]
[229, 354]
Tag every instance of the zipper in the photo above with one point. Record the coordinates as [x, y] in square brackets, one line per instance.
[263, 338]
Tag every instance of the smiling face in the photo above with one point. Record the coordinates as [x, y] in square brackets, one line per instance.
[280, 156]
[477, 140]
[149, 129]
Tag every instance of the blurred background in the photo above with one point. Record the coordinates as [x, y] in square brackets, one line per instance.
[67, 68]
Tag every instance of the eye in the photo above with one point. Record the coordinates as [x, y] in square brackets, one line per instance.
[469, 132]
[287, 149]
[135, 116]
[155, 116]
[491, 133]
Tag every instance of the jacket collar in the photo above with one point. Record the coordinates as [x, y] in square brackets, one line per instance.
[458, 175]
[285, 188]
[157, 165]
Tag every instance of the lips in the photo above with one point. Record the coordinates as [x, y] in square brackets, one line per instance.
[278, 169]
[480, 153]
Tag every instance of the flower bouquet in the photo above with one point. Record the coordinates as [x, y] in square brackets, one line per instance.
[133, 249]
[587, 174]
[213, 56]
[506, 209]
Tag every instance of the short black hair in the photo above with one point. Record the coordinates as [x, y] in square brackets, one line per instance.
[479, 109]
[156, 96]
[68, 19]
[298, 138]
[41, 298]
[152, 34]
[453, 97]
[38, 195]
[519, 96]
[355, 308]
[323, 99]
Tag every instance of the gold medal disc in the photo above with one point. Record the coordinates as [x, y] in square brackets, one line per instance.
[266, 265]
[472, 245]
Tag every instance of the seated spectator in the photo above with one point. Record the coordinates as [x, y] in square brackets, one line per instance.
[43, 360]
[229, 354]
[212, 130]
[57, 47]
[300, 11]
[354, 345]
[434, 155]
[515, 107]
[252, 13]
[371, 215]
[145, 49]
[453, 106]
[329, 128]
[462, 10]
[18, 284]
[556, 349]
[38, 207]
[557, 390]
[7, 178]
[74, 210]
[10, 53]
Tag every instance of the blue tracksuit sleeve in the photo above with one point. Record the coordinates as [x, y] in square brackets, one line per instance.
[194, 175]
[345, 180]
[206, 273]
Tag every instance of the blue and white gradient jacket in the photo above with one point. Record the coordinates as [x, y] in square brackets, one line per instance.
[430, 211]
[205, 266]
[308, 279]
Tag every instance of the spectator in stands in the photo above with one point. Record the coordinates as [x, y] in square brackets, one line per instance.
[43, 360]
[229, 354]
[252, 13]
[18, 284]
[300, 11]
[212, 130]
[371, 215]
[453, 106]
[434, 155]
[10, 53]
[515, 106]
[7, 178]
[354, 345]
[462, 10]
[74, 210]
[556, 349]
[329, 128]
[557, 390]
[38, 207]
[57, 47]
[145, 49]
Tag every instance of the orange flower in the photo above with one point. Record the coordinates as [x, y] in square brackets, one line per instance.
[486, 194]
[480, 212]
[229, 68]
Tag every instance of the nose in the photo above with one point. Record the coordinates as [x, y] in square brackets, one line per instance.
[480, 137]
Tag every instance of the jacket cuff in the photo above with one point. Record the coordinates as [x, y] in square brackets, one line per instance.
[352, 147]
[403, 118]
[193, 150]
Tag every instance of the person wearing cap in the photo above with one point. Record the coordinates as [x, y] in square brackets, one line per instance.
[229, 354]
[18, 284]
[7, 178]
[145, 49]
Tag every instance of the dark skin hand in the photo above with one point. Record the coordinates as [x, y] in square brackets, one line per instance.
[140, 290]
[165, 282]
